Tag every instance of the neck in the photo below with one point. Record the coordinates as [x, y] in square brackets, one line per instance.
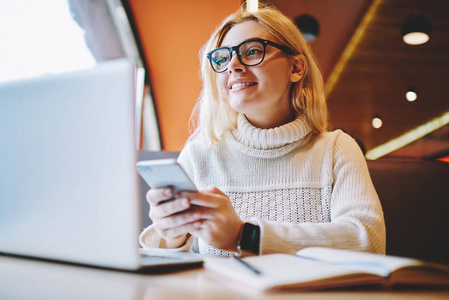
[267, 121]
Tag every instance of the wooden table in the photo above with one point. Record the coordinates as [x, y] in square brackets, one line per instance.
[22, 278]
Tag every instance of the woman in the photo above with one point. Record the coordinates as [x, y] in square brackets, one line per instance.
[271, 178]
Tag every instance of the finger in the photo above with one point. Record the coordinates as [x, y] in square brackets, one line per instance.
[173, 233]
[169, 208]
[205, 213]
[180, 219]
[213, 190]
[208, 191]
[203, 199]
[156, 196]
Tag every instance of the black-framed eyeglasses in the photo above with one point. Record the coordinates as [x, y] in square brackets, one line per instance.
[249, 53]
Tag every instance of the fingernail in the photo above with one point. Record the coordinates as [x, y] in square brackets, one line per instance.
[197, 224]
[185, 203]
[168, 192]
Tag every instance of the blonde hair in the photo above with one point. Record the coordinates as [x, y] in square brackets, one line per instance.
[212, 115]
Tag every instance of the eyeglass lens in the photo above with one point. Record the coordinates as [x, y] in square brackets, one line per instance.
[250, 53]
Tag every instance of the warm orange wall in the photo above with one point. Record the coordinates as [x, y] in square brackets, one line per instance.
[172, 33]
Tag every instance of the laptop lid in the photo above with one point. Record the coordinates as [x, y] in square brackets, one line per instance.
[68, 184]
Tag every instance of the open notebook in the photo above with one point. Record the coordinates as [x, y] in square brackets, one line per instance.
[69, 189]
[323, 268]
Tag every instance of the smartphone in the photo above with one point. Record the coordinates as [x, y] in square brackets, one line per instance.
[160, 173]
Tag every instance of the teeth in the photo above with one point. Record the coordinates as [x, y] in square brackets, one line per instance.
[239, 85]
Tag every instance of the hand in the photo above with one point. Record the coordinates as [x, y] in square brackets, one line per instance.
[220, 225]
[171, 219]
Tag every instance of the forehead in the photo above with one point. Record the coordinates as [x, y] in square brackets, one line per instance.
[244, 31]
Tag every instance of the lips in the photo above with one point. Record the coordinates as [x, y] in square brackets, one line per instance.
[241, 84]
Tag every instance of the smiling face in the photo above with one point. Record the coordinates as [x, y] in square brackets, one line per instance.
[260, 92]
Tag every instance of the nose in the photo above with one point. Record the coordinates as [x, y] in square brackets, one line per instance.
[234, 64]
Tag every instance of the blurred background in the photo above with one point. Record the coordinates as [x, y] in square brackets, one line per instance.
[386, 93]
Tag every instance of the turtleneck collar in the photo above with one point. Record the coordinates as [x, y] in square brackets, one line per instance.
[271, 142]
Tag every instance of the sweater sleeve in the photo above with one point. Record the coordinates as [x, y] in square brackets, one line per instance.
[150, 239]
[357, 221]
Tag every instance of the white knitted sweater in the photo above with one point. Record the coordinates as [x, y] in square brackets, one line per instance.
[302, 189]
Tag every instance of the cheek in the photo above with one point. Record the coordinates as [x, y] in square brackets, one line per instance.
[278, 75]
[278, 81]
[222, 82]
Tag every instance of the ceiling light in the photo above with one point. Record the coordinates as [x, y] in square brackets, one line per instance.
[252, 5]
[376, 122]
[411, 95]
[416, 30]
[309, 26]
[408, 137]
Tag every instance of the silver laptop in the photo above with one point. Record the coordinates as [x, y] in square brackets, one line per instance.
[69, 189]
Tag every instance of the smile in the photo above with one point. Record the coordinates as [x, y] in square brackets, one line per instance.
[242, 84]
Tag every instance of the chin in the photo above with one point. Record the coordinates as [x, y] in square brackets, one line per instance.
[241, 105]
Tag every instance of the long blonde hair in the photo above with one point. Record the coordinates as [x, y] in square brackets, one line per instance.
[212, 115]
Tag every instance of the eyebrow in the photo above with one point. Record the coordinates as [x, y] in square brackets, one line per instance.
[248, 39]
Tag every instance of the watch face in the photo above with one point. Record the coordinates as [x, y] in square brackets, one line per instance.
[249, 239]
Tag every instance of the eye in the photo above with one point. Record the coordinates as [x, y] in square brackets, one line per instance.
[251, 50]
[219, 60]
[254, 52]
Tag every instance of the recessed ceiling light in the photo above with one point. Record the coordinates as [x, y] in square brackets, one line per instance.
[376, 122]
[411, 95]
[416, 30]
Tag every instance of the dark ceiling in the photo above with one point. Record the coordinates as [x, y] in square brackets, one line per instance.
[368, 69]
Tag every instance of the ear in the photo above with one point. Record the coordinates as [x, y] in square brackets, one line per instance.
[298, 68]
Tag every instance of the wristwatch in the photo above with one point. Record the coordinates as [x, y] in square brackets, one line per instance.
[249, 240]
